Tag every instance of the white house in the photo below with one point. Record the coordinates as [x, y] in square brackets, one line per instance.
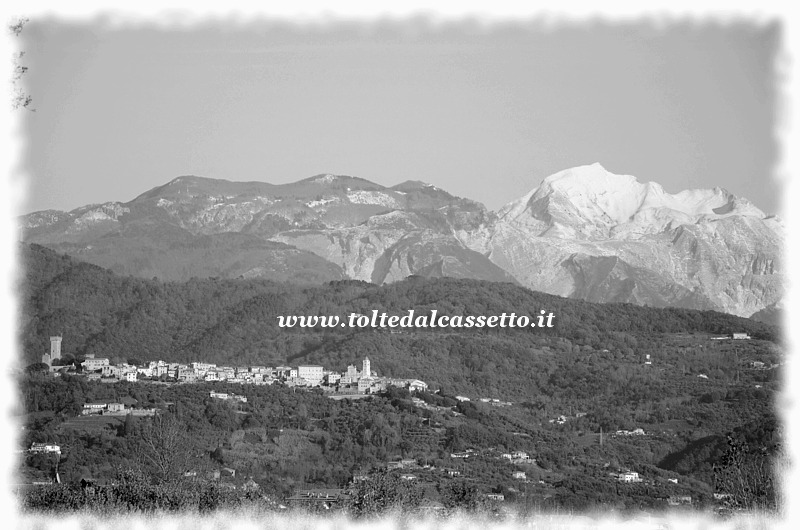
[108, 370]
[202, 368]
[416, 384]
[629, 476]
[91, 365]
[45, 448]
[364, 384]
[94, 407]
[313, 374]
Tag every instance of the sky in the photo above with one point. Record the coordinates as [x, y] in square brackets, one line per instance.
[482, 113]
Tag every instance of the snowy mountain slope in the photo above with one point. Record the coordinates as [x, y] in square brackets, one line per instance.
[583, 232]
[720, 248]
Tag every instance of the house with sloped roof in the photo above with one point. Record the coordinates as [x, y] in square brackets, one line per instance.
[325, 498]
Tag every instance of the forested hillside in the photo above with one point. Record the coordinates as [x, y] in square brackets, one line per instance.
[235, 321]
[705, 406]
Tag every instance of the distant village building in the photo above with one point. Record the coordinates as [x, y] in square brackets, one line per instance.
[94, 407]
[349, 376]
[406, 463]
[202, 368]
[312, 374]
[225, 396]
[108, 370]
[250, 485]
[678, 500]
[364, 385]
[45, 448]
[324, 498]
[635, 432]
[415, 385]
[93, 365]
[629, 476]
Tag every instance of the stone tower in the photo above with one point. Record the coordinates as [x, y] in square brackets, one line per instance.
[55, 347]
[365, 370]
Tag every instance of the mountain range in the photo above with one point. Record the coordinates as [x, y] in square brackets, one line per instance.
[582, 233]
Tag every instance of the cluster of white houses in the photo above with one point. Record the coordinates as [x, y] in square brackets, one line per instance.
[353, 380]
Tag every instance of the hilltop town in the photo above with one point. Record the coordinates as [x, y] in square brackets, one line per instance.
[338, 384]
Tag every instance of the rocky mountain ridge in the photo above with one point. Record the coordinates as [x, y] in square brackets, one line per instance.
[583, 233]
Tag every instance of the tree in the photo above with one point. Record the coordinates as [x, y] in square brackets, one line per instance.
[129, 426]
[462, 496]
[218, 455]
[164, 449]
[745, 473]
[20, 99]
[383, 493]
[37, 368]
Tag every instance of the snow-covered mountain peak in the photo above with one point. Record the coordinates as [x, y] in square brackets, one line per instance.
[591, 179]
[590, 202]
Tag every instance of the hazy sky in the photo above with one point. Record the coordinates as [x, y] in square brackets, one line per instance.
[484, 115]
